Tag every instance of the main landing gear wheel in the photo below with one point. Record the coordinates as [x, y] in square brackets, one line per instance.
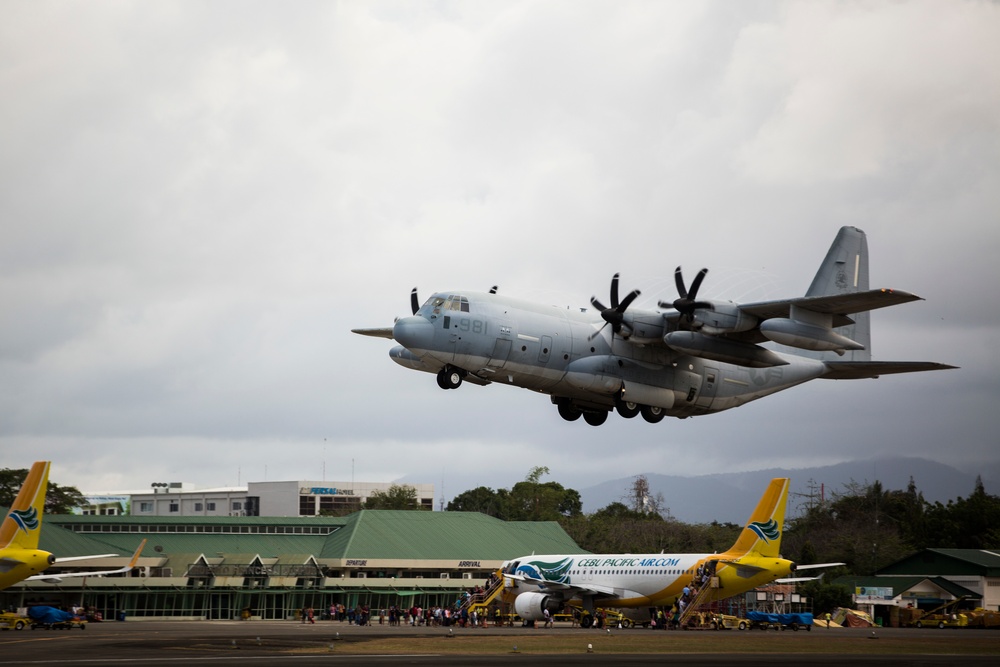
[586, 621]
[449, 378]
[568, 412]
[651, 413]
[595, 418]
[626, 409]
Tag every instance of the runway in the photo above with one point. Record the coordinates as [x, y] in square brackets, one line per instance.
[223, 643]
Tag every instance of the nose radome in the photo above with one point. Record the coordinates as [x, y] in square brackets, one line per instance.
[414, 333]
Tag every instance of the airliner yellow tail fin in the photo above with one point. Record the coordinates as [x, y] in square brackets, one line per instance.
[23, 523]
[762, 534]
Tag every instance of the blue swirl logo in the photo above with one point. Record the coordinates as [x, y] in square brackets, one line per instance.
[26, 520]
[766, 531]
[556, 571]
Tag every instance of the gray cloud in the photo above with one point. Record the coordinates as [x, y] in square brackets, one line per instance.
[200, 201]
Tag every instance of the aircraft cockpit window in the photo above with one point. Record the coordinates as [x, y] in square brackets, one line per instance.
[432, 306]
[457, 303]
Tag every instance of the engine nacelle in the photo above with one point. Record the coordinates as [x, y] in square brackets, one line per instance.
[723, 317]
[720, 349]
[532, 606]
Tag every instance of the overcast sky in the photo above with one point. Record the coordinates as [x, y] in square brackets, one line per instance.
[199, 200]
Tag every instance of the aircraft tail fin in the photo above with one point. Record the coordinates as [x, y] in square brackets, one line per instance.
[23, 523]
[762, 533]
[845, 271]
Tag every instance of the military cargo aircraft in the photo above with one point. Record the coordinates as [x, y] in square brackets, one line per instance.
[691, 356]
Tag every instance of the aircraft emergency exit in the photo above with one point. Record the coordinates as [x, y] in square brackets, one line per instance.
[547, 583]
[691, 356]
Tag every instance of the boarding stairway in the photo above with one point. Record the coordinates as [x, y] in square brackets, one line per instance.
[700, 600]
[478, 602]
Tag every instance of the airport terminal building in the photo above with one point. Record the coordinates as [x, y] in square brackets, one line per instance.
[210, 567]
[294, 498]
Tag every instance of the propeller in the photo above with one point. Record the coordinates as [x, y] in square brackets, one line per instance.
[688, 302]
[615, 315]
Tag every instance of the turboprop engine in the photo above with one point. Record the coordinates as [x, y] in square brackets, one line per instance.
[532, 606]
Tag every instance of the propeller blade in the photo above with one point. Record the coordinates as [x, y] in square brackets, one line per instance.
[628, 300]
[679, 281]
[493, 290]
[414, 301]
[696, 284]
[596, 333]
[614, 291]
[597, 304]
[686, 303]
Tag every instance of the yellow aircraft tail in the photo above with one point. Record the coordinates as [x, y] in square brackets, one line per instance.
[762, 533]
[23, 523]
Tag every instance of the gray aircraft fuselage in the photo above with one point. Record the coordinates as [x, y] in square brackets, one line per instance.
[554, 351]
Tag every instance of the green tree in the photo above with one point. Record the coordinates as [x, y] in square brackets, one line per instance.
[533, 500]
[396, 497]
[58, 500]
[481, 499]
[826, 597]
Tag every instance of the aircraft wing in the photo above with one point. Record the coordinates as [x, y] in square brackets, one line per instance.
[858, 370]
[380, 332]
[574, 589]
[56, 577]
[838, 305]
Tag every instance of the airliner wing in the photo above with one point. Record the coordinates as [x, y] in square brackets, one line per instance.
[100, 573]
[581, 589]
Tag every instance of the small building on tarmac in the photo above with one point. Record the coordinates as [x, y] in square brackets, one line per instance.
[216, 567]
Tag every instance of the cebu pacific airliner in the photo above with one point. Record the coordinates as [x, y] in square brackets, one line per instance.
[546, 583]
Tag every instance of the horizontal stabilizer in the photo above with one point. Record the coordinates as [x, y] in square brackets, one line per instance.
[859, 370]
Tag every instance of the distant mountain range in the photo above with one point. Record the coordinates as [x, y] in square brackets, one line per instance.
[730, 497]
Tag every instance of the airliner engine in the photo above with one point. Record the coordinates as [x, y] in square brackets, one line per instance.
[532, 606]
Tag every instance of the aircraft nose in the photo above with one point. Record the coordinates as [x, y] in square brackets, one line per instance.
[414, 333]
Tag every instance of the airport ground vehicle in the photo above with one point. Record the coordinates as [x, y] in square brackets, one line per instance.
[764, 621]
[51, 618]
[13, 621]
[727, 622]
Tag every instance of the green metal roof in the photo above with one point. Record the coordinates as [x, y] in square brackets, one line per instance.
[976, 562]
[390, 534]
[371, 534]
[901, 584]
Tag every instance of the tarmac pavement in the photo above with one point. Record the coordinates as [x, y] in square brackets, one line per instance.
[248, 643]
